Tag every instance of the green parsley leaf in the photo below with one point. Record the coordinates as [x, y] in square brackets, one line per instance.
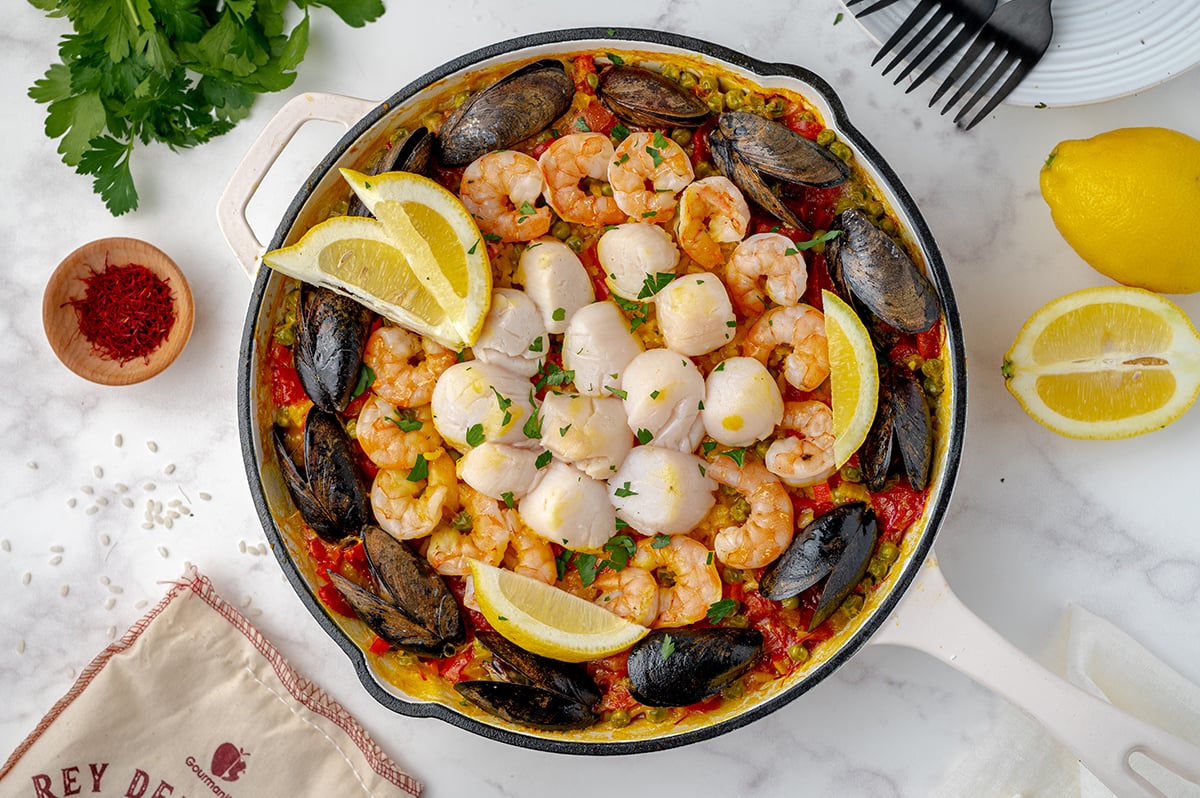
[616, 59]
[624, 491]
[507, 496]
[619, 133]
[533, 424]
[559, 314]
[582, 125]
[562, 431]
[475, 435]
[492, 237]
[660, 140]
[620, 549]
[655, 394]
[655, 155]
[405, 422]
[731, 323]
[736, 455]
[554, 376]
[708, 560]
[536, 346]
[544, 459]
[660, 541]
[527, 209]
[617, 392]
[815, 240]
[561, 561]
[668, 647]
[588, 566]
[644, 436]
[655, 283]
[420, 470]
[648, 214]
[838, 18]
[621, 524]
[720, 366]
[471, 251]
[366, 378]
[707, 447]
[719, 610]
[624, 157]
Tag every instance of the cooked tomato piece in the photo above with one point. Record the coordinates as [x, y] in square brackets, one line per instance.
[331, 598]
[285, 382]
[897, 508]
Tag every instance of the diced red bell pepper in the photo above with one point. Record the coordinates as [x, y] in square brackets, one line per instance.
[897, 508]
[380, 646]
[285, 381]
[591, 263]
[584, 65]
[331, 598]
[805, 127]
[929, 343]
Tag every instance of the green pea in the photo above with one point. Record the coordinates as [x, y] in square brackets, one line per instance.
[575, 243]
[853, 605]
[708, 85]
[775, 107]
[806, 116]
[934, 386]
[755, 104]
[791, 603]
[656, 714]
[826, 137]
[681, 136]
[732, 576]
[888, 226]
[461, 98]
[851, 473]
[431, 121]
[866, 585]
[716, 103]
[687, 80]
[728, 490]
[740, 510]
[606, 190]
[352, 429]
[462, 522]
[738, 621]
[671, 72]
[706, 169]
[560, 230]
[735, 99]
[619, 717]
[285, 334]
[734, 690]
[842, 204]
[840, 151]
[878, 569]
[797, 653]
[888, 552]
[932, 367]
[874, 208]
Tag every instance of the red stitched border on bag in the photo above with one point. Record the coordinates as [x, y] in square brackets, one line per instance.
[303, 690]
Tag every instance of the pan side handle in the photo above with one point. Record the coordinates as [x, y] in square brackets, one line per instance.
[933, 620]
[242, 186]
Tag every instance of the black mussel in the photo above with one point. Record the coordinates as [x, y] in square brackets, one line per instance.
[528, 705]
[518, 106]
[912, 427]
[331, 334]
[329, 492]
[413, 154]
[567, 679]
[838, 544]
[678, 667]
[734, 167]
[875, 455]
[388, 621]
[779, 152]
[880, 275]
[642, 97]
[413, 585]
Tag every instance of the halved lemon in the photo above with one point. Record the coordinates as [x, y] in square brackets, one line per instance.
[853, 377]
[1102, 363]
[548, 621]
[421, 262]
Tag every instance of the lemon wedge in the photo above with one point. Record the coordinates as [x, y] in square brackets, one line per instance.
[853, 377]
[421, 262]
[1103, 363]
[548, 621]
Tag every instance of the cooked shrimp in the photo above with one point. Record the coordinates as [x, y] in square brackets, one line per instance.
[406, 366]
[487, 530]
[407, 508]
[712, 212]
[808, 458]
[770, 262]
[393, 438]
[500, 189]
[801, 327]
[565, 164]
[694, 583]
[530, 555]
[631, 593]
[647, 172]
[767, 529]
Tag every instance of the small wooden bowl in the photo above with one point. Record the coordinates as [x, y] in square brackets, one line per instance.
[62, 323]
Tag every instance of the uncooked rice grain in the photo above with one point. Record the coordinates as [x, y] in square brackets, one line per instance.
[93, 510]
[149, 486]
[20, 646]
[170, 469]
[162, 552]
[104, 580]
[152, 446]
[98, 471]
[109, 603]
[102, 501]
[105, 540]
[112, 632]
[116, 589]
[71, 502]
[56, 549]
[56, 559]
[64, 590]
[120, 487]
[140, 603]
[25, 577]
[88, 489]
[4, 544]
[118, 440]
[205, 496]
[128, 502]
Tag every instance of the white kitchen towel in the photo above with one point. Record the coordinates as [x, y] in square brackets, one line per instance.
[194, 701]
[1019, 758]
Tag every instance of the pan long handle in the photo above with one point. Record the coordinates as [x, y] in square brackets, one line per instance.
[932, 619]
[242, 186]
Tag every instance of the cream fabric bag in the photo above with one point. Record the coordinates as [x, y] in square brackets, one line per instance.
[194, 702]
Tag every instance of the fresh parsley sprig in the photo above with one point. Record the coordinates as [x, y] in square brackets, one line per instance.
[178, 72]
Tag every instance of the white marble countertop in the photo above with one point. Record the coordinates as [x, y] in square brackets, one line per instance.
[1037, 521]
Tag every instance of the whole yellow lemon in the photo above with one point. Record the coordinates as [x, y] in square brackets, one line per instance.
[1128, 201]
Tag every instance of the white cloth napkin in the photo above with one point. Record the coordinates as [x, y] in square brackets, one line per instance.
[1019, 758]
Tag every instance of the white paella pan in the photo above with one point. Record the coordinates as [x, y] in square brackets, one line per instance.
[914, 607]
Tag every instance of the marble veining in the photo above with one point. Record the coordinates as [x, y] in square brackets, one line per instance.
[1037, 521]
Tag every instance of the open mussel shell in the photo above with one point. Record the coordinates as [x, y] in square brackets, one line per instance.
[692, 665]
[743, 175]
[836, 545]
[329, 492]
[331, 334]
[528, 705]
[413, 154]
[875, 455]
[413, 585]
[779, 152]
[518, 106]
[388, 621]
[567, 679]
[880, 275]
[645, 98]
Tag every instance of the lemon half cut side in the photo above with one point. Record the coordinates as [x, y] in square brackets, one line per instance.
[548, 621]
[1104, 363]
[421, 263]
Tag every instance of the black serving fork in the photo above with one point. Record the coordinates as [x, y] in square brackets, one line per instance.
[942, 19]
[1010, 43]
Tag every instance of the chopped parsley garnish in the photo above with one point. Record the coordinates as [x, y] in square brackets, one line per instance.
[491, 237]
[624, 491]
[655, 283]
[527, 209]
[405, 422]
[708, 446]
[655, 394]
[544, 459]
[736, 455]
[639, 313]
[621, 524]
[720, 610]
[562, 431]
[660, 541]
[561, 560]
[588, 566]
[644, 436]
[660, 141]
[559, 314]
[420, 470]
[617, 392]
[533, 424]
[475, 435]
[720, 366]
[509, 502]
[648, 214]
[619, 132]
[366, 377]
[537, 345]
[620, 548]
[582, 125]
[504, 403]
[616, 59]
[471, 251]
[668, 647]
[731, 323]
[655, 155]
[555, 376]
[812, 242]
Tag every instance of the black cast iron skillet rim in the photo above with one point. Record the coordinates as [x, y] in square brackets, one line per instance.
[955, 350]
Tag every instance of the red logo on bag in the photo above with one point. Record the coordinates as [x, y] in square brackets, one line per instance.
[228, 762]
